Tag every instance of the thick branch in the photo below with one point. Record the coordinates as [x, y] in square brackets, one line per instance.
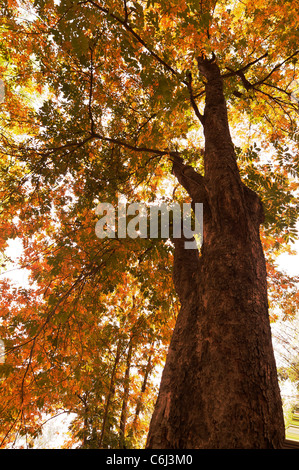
[192, 99]
[247, 85]
[193, 182]
[187, 261]
[186, 268]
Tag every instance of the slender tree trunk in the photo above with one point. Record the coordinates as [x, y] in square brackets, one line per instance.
[123, 417]
[84, 400]
[143, 388]
[219, 388]
[110, 394]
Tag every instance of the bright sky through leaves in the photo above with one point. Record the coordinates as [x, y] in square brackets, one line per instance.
[96, 98]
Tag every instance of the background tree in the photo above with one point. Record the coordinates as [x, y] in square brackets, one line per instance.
[127, 93]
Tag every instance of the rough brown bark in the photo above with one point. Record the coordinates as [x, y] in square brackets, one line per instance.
[219, 388]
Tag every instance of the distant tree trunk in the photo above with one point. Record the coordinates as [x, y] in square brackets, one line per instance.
[84, 400]
[219, 388]
[110, 395]
[143, 388]
[123, 417]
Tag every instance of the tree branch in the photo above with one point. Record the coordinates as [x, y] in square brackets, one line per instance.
[192, 100]
[276, 68]
[245, 82]
[124, 23]
[128, 27]
[131, 147]
[91, 91]
[242, 69]
[249, 86]
[126, 11]
[193, 182]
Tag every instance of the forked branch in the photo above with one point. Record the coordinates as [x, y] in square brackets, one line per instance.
[253, 86]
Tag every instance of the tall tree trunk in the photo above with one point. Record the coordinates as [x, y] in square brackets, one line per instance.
[219, 387]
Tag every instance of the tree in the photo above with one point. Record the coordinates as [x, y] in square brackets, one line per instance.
[121, 87]
[224, 317]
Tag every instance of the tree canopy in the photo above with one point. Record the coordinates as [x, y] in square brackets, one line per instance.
[100, 99]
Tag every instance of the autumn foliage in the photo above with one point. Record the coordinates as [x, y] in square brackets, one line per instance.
[99, 95]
